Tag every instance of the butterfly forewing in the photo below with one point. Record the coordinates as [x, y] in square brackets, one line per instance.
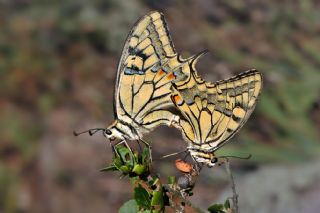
[147, 67]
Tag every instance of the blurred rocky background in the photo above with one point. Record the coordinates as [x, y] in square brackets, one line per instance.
[58, 63]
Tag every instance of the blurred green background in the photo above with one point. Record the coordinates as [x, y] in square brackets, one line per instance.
[58, 63]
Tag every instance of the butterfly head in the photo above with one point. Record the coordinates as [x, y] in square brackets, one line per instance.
[116, 131]
[112, 133]
[119, 131]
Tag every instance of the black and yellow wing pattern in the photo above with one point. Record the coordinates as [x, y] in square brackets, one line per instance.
[214, 112]
[152, 78]
[148, 66]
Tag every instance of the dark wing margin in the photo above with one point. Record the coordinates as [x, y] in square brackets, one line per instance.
[152, 23]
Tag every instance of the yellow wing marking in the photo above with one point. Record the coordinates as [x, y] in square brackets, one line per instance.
[133, 42]
[205, 121]
[153, 59]
[142, 98]
[126, 93]
[144, 44]
[187, 130]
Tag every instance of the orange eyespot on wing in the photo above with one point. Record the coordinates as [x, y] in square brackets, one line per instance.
[170, 76]
[177, 99]
[183, 166]
[161, 72]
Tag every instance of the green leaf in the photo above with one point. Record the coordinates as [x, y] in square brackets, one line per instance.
[172, 180]
[227, 204]
[136, 158]
[124, 169]
[139, 169]
[145, 156]
[216, 208]
[142, 197]
[129, 207]
[134, 180]
[125, 154]
[117, 163]
[157, 198]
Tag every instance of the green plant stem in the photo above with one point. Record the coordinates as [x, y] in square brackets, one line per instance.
[235, 207]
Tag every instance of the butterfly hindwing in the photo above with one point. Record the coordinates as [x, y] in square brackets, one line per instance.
[214, 115]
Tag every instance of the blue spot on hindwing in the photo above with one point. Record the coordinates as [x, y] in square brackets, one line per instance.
[190, 101]
[154, 69]
[129, 71]
[164, 69]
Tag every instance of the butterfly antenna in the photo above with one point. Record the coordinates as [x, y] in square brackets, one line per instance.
[172, 154]
[90, 131]
[238, 157]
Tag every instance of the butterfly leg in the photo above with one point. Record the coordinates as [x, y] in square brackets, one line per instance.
[114, 150]
[125, 144]
[186, 155]
[149, 147]
[139, 145]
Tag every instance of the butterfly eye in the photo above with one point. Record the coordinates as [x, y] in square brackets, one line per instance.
[214, 160]
[107, 132]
